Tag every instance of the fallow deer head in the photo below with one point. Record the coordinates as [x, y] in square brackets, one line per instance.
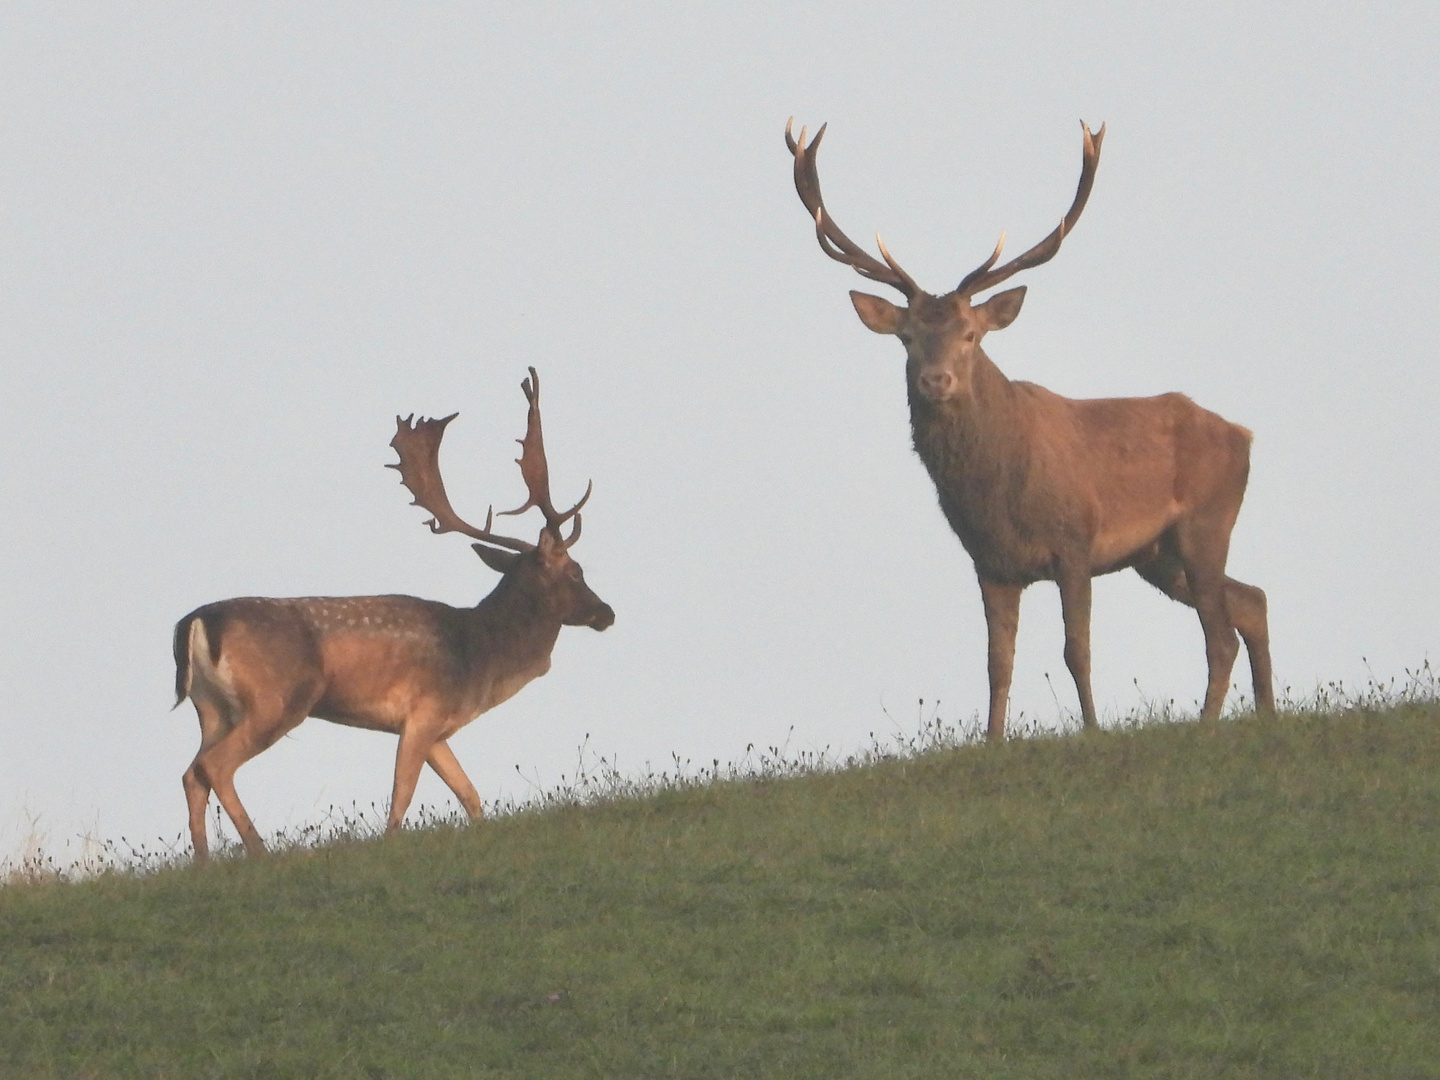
[418, 444]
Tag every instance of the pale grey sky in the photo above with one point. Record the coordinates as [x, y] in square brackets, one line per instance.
[236, 240]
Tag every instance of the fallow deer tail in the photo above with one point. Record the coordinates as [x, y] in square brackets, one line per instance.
[181, 646]
[191, 646]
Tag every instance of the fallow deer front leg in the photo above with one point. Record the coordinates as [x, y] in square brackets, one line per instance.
[1002, 619]
[442, 760]
[416, 744]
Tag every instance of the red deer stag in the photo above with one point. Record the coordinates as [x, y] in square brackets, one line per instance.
[1039, 487]
[256, 667]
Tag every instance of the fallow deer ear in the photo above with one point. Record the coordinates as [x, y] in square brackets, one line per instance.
[877, 313]
[497, 560]
[1000, 310]
[552, 548]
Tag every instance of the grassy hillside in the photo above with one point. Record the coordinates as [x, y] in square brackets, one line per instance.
[1251, 899]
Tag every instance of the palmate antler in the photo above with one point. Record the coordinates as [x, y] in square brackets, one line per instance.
[419, 448]
[536, 471]
[418, 444]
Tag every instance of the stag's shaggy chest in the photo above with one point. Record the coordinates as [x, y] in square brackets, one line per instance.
[995, 496]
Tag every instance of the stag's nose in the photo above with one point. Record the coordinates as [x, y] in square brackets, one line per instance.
[604, 618]
[938, 384]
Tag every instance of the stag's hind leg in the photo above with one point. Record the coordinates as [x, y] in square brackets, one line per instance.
[1194, 580]
[1248, 611]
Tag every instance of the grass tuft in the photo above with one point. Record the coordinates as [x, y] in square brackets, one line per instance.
[1251, 898]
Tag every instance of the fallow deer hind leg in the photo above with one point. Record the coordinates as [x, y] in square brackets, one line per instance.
[214, 725]
[264, 723]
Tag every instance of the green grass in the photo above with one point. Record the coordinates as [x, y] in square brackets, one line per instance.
[1255, 898]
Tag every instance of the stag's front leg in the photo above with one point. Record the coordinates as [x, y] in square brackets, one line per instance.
[1075, 588]
[1002, 620]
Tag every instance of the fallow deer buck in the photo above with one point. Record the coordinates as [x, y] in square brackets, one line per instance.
[256, 667]
[1039, 487]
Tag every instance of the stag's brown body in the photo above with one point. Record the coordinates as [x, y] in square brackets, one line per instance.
[1040, 487]
[256, 667]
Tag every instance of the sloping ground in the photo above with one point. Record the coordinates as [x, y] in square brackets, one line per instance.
[1252, 899]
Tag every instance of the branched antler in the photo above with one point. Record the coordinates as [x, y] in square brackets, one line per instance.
[983, 277]
[987, 275]
[832, 241]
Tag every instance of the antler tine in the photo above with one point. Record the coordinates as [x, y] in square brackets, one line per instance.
[536, 470]
[574, 534]
[890, 262]
[983, 277]
[574, 511]
[832, 241]
[980, 271]
[418, 445]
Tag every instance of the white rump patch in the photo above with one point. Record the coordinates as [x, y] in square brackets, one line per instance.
[214, 683]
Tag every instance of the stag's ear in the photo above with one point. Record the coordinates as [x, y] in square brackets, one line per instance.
[877, 313]
[497, 560]
[1000, 310]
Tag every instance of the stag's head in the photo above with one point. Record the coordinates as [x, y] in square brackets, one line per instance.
[941, 334]
[544, 567]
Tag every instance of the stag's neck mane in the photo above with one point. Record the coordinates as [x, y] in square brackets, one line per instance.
[976, 433]
[974, 448]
